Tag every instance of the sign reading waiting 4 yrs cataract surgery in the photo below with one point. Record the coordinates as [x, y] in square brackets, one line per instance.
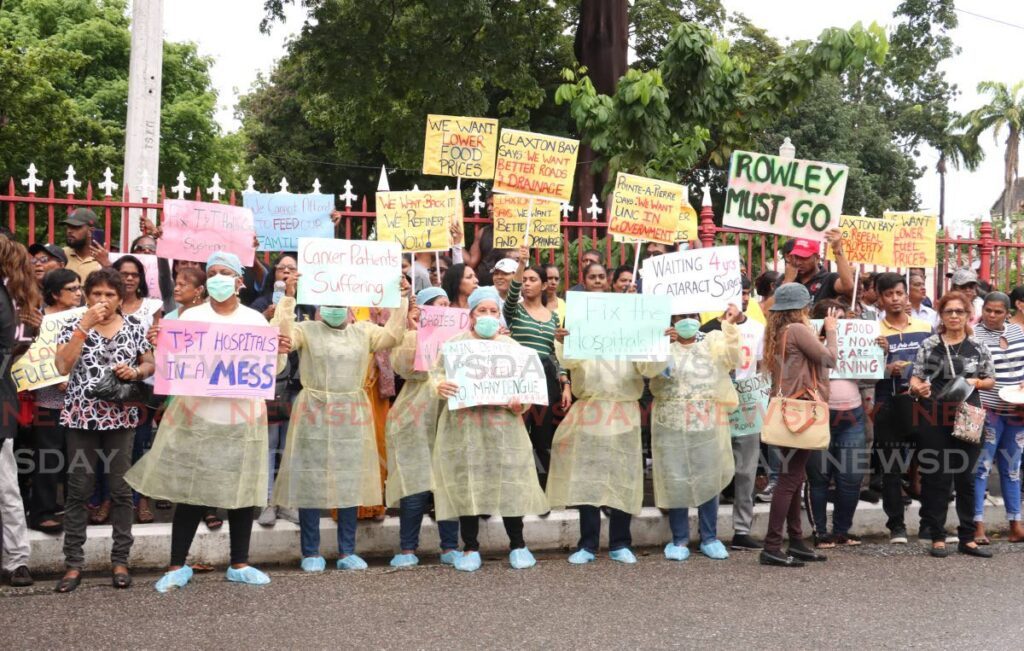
[785, 196]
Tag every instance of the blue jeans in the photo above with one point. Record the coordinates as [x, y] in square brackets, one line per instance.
[309, 531]
[619, 536]
[845, 461]
[707, 519]
[411, 517]
[1002, 443]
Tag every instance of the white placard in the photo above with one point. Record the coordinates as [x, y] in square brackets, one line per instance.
[698, 280]
[493, 373]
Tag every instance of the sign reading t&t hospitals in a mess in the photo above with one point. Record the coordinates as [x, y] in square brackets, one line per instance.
[535, 164]
[281, 218]
[698, 280]
[192, 230]
[460, 146]
[510, 218]
[419, 220]
[353, 273]
[646, 209]
[785, 196]
[914, 238]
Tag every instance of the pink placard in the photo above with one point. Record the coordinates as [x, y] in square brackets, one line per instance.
[437, 325]
[192, 230]
[215, 360]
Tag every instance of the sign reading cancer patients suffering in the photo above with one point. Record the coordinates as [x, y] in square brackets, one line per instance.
[492, 373]
[686, 229]
[437, 325]
[36, 368]
[867, 239]
[510, 217]
[417, 219]
[697, 280]
[860, 356]
[353, 273]
[914, 239]
[216, 360]
[535, 164]
[785, 196]
[195, 229]
[748, 417]
[646, 209]
[610, 326]
[281, 218]
[460, 146]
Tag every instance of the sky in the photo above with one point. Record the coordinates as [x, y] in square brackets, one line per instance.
[989, 51]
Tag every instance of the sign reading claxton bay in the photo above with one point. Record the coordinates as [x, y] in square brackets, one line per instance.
[786, 196]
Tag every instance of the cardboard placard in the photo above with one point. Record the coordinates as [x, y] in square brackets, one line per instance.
[603, 325]
[437, 325]
[460, 146]
[867, 240]
[192, 230]
[915, 239]
[536, 165]
[493, 373]
[510, 217]
[646, 209]
[36, 368]
[419, 220]
[748, 418]
[860, 356]
[281, 218]
[686, 229]
[697, 280]
[785, 196]
[351, 273]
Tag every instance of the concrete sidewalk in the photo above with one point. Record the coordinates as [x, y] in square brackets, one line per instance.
[560, 530]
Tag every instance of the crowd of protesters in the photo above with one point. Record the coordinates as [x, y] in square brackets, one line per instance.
[400, 447]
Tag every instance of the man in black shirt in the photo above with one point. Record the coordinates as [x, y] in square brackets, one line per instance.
[803, 265]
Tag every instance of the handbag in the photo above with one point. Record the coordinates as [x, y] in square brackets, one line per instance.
[110, 388]
[969, 420]
[798, 421]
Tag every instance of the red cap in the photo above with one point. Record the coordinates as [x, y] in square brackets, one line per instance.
[805, 248]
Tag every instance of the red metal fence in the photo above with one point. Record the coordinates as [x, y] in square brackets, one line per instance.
[35, 218]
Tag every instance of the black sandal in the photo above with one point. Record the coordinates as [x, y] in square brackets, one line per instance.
[67, 584]
[121, 580]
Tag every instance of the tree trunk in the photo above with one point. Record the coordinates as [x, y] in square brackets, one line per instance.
[602, 45]
[941, 169]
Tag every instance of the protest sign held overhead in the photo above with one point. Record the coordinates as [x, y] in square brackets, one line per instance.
[867, 240]
[785, 196]
[418, 220]
[646, 209]
[217, 360]
[511, 213]
[860, 357]
[460, 146]
[352, 273]
[698, 280]
[536, 165]
[437, 325]
[610, 326]
[192, 230]
[915, 239]
[491, 373]
[281, 218]
[36, 368]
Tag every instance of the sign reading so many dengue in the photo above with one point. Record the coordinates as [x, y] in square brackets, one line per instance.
[281, 218]
[460, 146]
[418, 220]
[192, 230]
[786, 196]
[698, 280]
[492, 373]
[220, 360]
[535, 165]
[351, 273]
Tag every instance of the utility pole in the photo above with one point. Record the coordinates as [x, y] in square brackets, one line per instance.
[142, 132]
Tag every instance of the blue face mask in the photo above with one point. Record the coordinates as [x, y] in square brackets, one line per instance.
[486, 326]
[334, 316]
[687, 328]
[220, 287]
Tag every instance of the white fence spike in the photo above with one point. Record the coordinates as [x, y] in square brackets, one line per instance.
[316, 185]
[108, 186]
[32, 182]
[566, 209]
[70, 183]
[250, 185]
[215, 190]
[594, 210]
[476, 204]
[181, 189]
[348, 197]
[283, 185]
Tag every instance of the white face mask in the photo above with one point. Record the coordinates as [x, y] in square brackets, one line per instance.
[220, 287]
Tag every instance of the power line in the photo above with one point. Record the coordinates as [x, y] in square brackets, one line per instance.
[989, 18]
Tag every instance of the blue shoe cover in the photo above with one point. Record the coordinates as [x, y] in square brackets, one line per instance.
[404, 560]
[313, 564]
[247, 574]
[715, 550]
[582, 557]
[674, 552]
[449, 558]
[623, 556]
[521, 559]
[351, 562]
[468, 562]
[178, 578]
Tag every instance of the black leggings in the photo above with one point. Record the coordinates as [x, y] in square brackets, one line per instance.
[469, 528]
[186, 520]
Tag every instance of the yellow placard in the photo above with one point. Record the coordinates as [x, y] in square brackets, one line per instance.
[867, 240]
[535, 164]
[686, 229]
[36, 369]
[418, 220]
[460, 146]
[510, 217]
[914, 239]
[646, 209]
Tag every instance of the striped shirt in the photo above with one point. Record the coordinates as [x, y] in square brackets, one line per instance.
[538, 335]
[1007, 348]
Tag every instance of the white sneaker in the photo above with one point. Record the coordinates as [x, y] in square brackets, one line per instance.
[268, 517]
[291, 515]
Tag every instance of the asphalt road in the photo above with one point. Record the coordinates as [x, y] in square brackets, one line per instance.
[872, 596]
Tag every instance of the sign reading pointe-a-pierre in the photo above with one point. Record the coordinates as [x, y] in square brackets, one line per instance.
[784, 196]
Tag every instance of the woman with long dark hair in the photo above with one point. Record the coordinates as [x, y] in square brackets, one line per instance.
[459, 282]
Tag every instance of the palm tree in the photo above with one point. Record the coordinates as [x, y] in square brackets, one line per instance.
[956, 150]
[1006, 109]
